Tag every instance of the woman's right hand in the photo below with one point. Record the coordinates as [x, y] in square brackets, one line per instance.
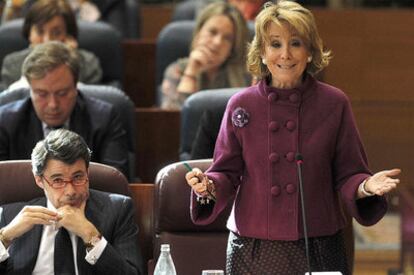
[197, 180]
[200, 60]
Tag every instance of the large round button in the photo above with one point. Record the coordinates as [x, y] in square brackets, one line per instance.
[291, 125]
[294, 98]
[275, 190]
[274, 126]
[290, 156]
[290, 188]
[272, 97]
[274, 157]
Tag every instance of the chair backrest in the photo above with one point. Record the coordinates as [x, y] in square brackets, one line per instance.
[121, 14]
[98, 37]
[194, 107]
[193, 247]
[121, 102]
[17, 182]
[185, 10]
[177, 36]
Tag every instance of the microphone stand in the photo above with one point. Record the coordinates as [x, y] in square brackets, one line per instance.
[299, 162]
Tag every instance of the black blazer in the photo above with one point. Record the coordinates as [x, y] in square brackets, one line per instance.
[206, 136]
[113, 216]
[96, 121]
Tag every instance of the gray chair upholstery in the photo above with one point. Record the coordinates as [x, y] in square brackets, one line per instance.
[193, 247]
[116, 97]
[17, 182]
[193, 109]
[98, 37]
[185, 10]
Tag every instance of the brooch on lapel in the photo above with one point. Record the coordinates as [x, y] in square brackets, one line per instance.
[240, 117]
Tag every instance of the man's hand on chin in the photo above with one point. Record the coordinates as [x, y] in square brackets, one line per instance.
[74, 220]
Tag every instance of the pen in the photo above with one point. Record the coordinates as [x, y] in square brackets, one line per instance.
[212, 197]
[188, 166]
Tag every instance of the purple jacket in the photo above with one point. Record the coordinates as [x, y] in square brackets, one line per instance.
[254, 163]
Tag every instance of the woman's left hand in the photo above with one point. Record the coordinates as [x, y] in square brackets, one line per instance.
[382, 182]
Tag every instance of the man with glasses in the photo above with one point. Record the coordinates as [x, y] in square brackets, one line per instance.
[41, 236]
[52, 70]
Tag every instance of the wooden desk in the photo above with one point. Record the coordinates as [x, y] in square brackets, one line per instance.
[158, 140]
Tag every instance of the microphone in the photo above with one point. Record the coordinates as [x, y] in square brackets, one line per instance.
[299, 162]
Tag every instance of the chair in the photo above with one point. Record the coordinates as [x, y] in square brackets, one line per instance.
[17, 182]
[185, 10]
[109, 94]
[193, 109]
[97, 37]
[193, 247]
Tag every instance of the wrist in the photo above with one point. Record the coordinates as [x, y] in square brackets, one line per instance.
[5, 238]
[92, 240]
[362, 188]
[190, 76]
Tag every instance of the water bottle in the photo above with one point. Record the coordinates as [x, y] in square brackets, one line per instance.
[165, 264]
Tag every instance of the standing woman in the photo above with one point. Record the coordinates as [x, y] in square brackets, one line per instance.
[216, 60]
[264, 127]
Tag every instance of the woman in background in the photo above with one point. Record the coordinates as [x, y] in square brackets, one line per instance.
[216, 60]
[51, 20]
[270, 128]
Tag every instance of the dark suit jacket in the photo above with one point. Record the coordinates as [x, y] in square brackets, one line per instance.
[96, 121]
[112, 214]
[206, 136]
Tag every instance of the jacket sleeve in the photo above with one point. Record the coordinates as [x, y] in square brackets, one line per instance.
[114, 150]
[225, 172]
[350, 169]
[122, 255]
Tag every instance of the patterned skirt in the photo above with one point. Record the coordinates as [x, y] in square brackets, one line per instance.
[250, 256]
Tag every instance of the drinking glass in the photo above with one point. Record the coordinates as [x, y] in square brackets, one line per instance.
[212, 272]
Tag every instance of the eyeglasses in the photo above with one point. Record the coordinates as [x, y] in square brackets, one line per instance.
[77, 180]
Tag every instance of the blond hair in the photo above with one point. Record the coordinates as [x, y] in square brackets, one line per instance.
[301, 20]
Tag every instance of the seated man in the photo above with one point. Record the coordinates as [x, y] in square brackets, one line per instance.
[52, 71]
[40, 236]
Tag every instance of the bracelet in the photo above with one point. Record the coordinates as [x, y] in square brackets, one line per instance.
[193, 77]
[365, 192]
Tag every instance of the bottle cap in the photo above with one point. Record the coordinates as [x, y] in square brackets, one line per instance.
[165, 247]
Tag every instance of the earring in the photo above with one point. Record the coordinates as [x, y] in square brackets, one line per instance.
[264, 61]
[309, 59]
